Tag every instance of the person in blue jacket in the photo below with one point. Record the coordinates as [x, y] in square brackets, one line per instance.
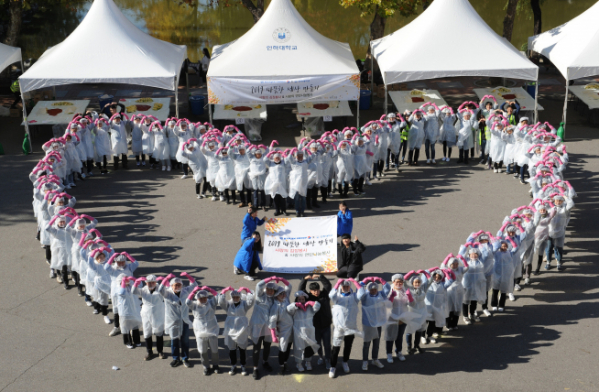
[345, 221]
[247, 258]
[250, 224]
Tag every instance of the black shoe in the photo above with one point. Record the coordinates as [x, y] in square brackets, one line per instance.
[411, 351]
[187, 364]
[176, 363]
[283, 369]
[149, 356]
[277, 213]
[314, 205]
[419, 350]
[266, 366]
[215, 369]
[206, 371]
[256, 374]
[537, 272]
[286, 213]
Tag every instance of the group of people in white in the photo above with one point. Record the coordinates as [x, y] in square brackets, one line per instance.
[418, 304]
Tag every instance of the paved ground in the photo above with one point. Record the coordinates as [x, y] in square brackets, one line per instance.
[547, 339]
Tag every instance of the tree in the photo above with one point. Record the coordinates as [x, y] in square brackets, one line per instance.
[16, 8]
[536, 11]
[508, 21]
[257, 10]
[382, 9]
[16, 18]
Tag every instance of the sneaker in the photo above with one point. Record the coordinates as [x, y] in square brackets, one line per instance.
[332, 372]
[59, 278]
[432, 340]
[88, 303]
[175, 363]
[494, 308]
[129, 345]
[201, 196]
[367, 182]
[400, 357]
[327, 364]
[467, 321]
[206, 371]
[436, 335]
[308, 365]
[527, 281]
[495, 171]
[411, 351]
[256, 374]
[143, 163]
[377, 363]
[215, 369]
[517, 287]
[198, 196]
[423, 340]
[283, 369]
[433, 162]
[345, 367]
[187, 364]
[233, 370]
[149, 356]
[107, 320]
[266, 366]
[115, 331]
[511, 297]
[500, 310]
[162, 355]
[214, 198]
[138, 163]
[559, 267]
[547, 266]
[474, 317]
[247, 277]
[184, 176]
[499, 170]
[222, 198]
[300, 368]
[364, 365]
[428, 161]
[522, 182]
[95, 311]
[168, 168]
[67, 186]
[52, 274]
[389, 358]
[320, 361]
[90, 174]
[243, 371]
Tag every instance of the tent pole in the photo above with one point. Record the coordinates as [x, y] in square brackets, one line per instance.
[358, 105]
[566, 102]
[536, 101]
[176, 98]
[386, 99]
[210, 113]
[25, 117]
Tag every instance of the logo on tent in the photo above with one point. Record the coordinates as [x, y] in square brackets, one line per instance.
[281, 35]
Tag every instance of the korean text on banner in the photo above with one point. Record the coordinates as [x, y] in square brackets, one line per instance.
[247, 91]
[301, 245]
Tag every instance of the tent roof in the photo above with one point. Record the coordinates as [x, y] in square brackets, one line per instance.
[440, 43]
[572, 47]
[8, 56]
[306, 52]
[129, 56]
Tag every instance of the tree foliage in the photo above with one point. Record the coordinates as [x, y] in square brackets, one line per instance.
[385, 8]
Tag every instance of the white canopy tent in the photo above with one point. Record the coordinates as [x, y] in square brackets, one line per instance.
[439, 43]
[9, 55]
[129, 56]
[282, 59]
[572, 47]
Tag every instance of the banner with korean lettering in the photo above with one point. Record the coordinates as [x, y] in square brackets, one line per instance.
[227, 91]
[300, 245]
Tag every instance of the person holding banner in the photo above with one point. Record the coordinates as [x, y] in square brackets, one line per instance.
[247, 258]
[351, 257]
[345, 220]
[250, 223]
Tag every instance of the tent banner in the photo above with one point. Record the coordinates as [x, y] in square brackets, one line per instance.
[227, 91]
[300, 245]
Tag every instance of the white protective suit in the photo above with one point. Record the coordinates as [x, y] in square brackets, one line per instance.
[236, 324]
[304, 334]
[128, 305]
[345, 314]
[152, 311]
[276, 180]
[374, 311]
[436, 299]
[298, 177]
[176, 310]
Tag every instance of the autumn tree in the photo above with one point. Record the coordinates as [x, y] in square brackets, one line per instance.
[508, 21]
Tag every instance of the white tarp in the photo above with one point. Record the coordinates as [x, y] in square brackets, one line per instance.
[282, 59]
[8, 56]
[56, 112]
[572, 47]
[300, 245]
[440, 43]
[323, 109]
[123, 54]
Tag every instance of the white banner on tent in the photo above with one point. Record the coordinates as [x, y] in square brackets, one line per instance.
[247, 91]
[301, 245]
